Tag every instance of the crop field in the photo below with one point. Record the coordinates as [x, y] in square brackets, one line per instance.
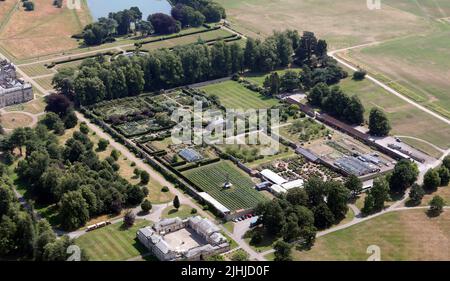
[421, 73]
[343, 23]
[211, 178]
[406, 120]
[402, 236]
[188, 39]
[234, 95]
[45, 30]
[113, 242]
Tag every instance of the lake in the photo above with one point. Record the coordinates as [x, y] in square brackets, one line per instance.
[101, 8]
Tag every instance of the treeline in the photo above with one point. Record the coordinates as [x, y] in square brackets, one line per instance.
[210, 10]
[337, 103]
[97, 80]
[189, 14]
[296, 216]
[22, 236]
[71, 175]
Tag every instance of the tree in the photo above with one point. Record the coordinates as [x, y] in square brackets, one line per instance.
[135, 195]
[369, 204]
[297, 196]
[354, 184]
[436, 205]
[164, 24]
[416, 194]
[74, 211]
[337, 199]
[145, 27]
[380, 193]
[282, 251]
[379, 124]
[71, 120]
[28, 5]
[446, 162]
[176, 202]
[146, 206]
[404, 175]
[102, 144]
[290, 81]
[59, 104]
[129, 219]
[444, 175]
[323, 217]
[359, 75]
[431, 180]
[239, 255]
[145, 177]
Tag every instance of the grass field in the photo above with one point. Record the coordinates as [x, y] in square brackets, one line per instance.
[211, 178]
[343, 23]
[113, 242]
[183, 212]
[403, 235]
[45, 82]
[259, 78]
[15, 120]
[36, 70]
[406, 120]
[421, 73]
[234, 95]
[45, 30]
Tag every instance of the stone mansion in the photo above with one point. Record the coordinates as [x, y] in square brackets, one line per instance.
[13, 90]
[194, 238]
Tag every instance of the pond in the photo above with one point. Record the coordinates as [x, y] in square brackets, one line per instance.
[101, 8]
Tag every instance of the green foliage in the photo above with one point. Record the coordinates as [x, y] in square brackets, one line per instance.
[102, 145]
[74, 211]
[376, 197]
[239, 255]
[354, 184]
[176, 202]
[378, 123]
[129, 219]
[436, 205]
[416, 194]
[404, 175]
[283, 251]
[146, 206]
[444, 175]
[431, 180]
[359, 75]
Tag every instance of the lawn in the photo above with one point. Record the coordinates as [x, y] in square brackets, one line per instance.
[402, 235]
[45, 82]
[258, 78]
[443, 191]
[343, 23]
[188, 39]
[113, 242]
[45, 30]
[33, 70]
[15, 120]
[421, 73]
[183, 212]
[235, 96]
[406, 119]
[211, 178]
